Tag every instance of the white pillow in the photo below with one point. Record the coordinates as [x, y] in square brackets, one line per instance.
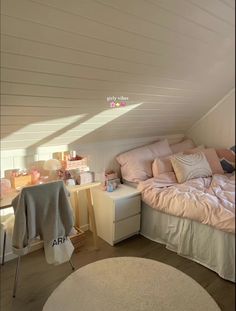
[190, 166]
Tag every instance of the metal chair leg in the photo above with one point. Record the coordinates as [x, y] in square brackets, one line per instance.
[16, 277]
[72, 266]
[4, 247]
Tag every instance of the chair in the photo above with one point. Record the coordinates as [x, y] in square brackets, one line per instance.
[43, 210]
[6, 226]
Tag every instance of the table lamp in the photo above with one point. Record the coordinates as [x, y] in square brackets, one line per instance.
[52, 165]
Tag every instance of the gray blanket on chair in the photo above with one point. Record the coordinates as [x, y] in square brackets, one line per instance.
[45, 211]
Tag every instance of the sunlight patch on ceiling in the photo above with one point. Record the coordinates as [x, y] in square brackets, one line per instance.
[64, 130]
[94, 123]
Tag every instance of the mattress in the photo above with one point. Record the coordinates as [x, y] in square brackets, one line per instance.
[201, 243]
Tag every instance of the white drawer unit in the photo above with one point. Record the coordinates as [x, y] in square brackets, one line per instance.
[117, 213]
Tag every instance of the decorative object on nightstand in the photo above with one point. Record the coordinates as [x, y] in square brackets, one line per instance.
[117, 213]
[111, 181]
[110, 174]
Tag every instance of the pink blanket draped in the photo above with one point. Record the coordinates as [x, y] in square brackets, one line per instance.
[208, 200]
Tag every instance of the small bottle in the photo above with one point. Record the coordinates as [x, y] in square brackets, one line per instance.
[109, 188]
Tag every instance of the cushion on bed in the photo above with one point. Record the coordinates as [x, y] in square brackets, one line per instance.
[162, 170]
[182, 146]
[168, 177]
[136, 164]
[161, 166]
[211, 157]
[190, 166]
[196, 149]
[227, 159]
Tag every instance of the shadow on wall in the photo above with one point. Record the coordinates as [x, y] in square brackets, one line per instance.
[72, 129]
[33, 148]
[82, 127]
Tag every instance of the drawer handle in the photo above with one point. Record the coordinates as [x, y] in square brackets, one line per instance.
[115, 222]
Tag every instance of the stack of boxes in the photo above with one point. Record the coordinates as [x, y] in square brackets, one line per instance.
[76, 165]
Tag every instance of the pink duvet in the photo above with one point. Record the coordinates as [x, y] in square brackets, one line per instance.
[208, 200]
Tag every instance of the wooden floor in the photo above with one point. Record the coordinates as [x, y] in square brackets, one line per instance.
[38, 279]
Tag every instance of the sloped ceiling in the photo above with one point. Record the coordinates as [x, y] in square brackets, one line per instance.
[61, 60]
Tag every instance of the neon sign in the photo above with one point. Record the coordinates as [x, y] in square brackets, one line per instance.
[117, 102]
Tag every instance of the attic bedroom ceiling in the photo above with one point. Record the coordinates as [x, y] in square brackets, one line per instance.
[169, 60]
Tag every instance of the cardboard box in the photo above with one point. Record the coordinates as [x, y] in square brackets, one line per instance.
[60, 155]
[74, 164]
[78, 239]
[85, 178]
[21, 181]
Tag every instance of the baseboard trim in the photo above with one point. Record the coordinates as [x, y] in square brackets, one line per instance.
[8, 256]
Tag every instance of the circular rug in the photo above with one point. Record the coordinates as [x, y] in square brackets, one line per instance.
[129, 284]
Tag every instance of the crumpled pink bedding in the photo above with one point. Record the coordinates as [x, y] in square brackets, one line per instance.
[208, 200]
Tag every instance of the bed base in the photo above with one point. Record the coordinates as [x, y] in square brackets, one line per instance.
[201, 243]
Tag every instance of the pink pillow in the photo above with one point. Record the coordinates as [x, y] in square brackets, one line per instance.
[211, 157]
[168, 177]
[136, 164]
[161, 166]
[196, 149]
[226, 154]
[182, 146]
[227, 159]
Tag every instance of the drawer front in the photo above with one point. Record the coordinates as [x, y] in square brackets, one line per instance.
[126, 227]
[127, 207]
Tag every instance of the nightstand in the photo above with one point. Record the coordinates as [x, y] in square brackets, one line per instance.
[117, 213]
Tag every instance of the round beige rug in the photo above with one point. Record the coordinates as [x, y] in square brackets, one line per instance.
[129, 284]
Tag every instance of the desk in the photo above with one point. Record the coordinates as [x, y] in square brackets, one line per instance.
[6, 201]
[74, 190]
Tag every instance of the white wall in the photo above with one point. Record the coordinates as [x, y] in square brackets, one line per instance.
[101, 155]
[217, 127]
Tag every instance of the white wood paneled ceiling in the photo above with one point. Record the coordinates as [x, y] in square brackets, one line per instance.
[61, 59]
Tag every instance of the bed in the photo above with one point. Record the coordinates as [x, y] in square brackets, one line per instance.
[204, 231]
[210, 245]
[203, 244]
